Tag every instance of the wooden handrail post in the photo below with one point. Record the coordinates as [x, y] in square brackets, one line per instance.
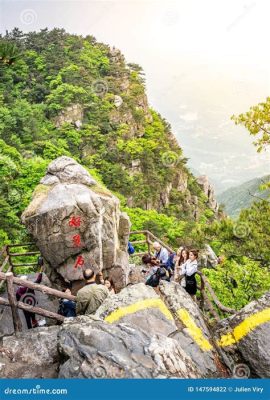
[148, 242]
[13, 303]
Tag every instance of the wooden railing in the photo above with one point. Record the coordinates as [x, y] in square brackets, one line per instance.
[14, 304]
[7, 257]
[208, 295]
[149, 240]
[8, 269]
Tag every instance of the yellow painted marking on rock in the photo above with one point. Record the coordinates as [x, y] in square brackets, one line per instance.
[139, 306]
[194, 331]
[244, 328]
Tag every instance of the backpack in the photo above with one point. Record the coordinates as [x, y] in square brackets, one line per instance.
[130, 249]
[153, 280]
[161, 274]
[191, 284]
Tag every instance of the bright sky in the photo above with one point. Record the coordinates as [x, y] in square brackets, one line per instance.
[204, 61]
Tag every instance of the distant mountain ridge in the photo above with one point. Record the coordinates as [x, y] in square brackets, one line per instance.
[238, 197]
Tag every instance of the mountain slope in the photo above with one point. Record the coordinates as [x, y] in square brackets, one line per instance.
[63, 94]
[242, 196]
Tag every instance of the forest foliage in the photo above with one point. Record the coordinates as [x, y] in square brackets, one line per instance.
[43, 73]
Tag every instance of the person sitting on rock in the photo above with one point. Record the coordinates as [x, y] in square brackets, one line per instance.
[161, 253]
[67, 307]
[188, 271]
[110, 285]
[91, 296]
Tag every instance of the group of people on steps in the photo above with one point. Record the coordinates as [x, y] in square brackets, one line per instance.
[179, 267]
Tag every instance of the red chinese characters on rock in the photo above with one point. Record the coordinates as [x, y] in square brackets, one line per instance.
[79, 262]
[77, 240]
[75, 221]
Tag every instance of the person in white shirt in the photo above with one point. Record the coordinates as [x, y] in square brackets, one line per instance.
[180, 259]
[161, 253]
[188, 272]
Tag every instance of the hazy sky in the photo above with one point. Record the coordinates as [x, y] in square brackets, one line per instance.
[204, 61]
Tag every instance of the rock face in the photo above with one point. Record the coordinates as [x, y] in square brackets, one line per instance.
[207, 257]
[176, 316]
[77, 223]
[192, 332]
[31, 354]
[95, 349]
[244, 339]
[71, 115]
[134, 334]
[144, 333]
[140, 306]
[208, 191]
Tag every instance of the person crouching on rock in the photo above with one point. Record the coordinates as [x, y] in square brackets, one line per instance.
[91, 296]
[151, 266]
[188, 272]
[27, 296]
[156, 271]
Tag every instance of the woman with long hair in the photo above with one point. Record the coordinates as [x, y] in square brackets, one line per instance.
[188, 272]
[182, 257]
[110, 285]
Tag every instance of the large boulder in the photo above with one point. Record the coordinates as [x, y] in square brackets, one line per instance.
[87, 347]
[76, 223]
[31, 354]
[243, 339]
[138, 305]
[192, 332]
[95, 349]
[170, 312]
[207, 257]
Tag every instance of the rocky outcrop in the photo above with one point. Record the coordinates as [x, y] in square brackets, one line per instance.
[95, 349]
[165, 195]
[73, 114]
[208, 191]
[244, 339]
[31, 354]
[192, 333]
[141, 307]
[173, 314]
[181, 181]
[207, 257]
[77, 223]
[144, 333]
